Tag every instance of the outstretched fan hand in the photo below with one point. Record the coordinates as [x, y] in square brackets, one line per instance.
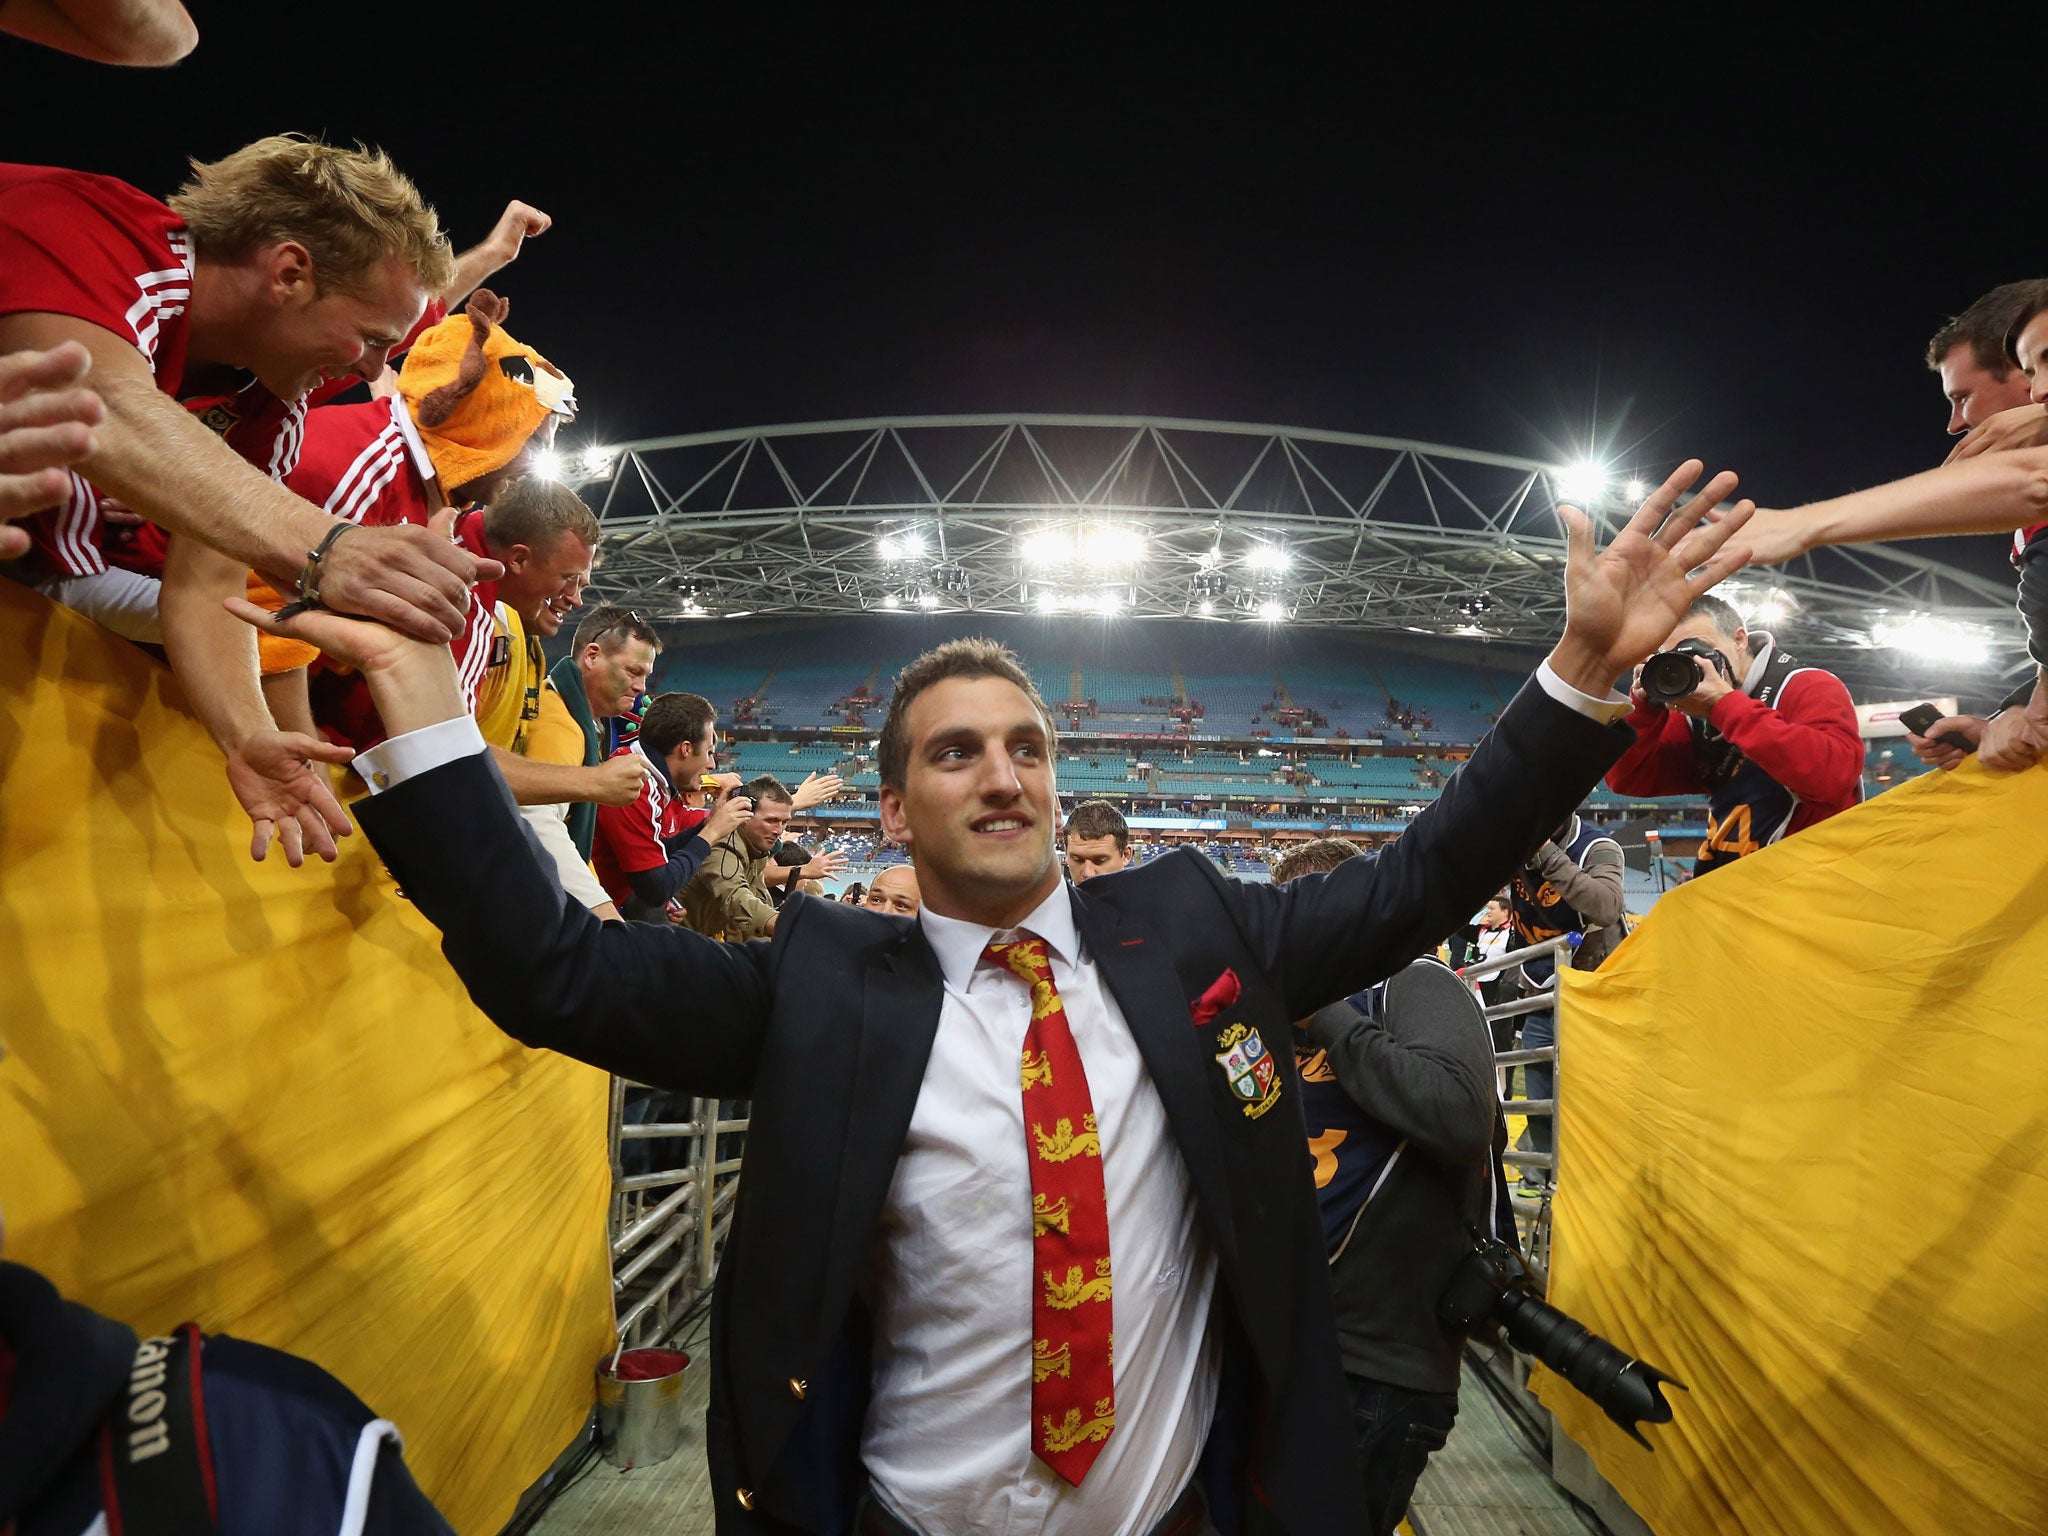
[1621, 601]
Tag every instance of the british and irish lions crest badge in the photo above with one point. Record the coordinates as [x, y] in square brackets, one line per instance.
[1247, 1065]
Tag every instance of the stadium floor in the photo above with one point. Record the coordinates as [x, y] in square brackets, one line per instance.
[1483, 1483]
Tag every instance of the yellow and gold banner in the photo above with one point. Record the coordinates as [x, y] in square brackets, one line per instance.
[258, 1098]
[1804, 1168]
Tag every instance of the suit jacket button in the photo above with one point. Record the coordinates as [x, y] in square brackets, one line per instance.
[796, 1388]
[746, 1497]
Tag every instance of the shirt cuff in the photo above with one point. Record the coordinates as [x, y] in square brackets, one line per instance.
[399, 758]
[1606, 711]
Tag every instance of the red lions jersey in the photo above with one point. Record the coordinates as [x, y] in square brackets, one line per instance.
[629, 837]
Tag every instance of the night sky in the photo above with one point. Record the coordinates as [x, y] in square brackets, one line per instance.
[1530, 241]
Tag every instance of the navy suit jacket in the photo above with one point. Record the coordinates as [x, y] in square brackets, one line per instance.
[828, 1027]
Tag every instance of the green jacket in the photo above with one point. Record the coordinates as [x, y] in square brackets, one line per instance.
[568, 681]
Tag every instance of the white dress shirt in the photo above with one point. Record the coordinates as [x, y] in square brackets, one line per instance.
[947, 1441]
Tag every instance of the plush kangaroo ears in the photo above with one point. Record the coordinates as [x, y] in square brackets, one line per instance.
[484, 310]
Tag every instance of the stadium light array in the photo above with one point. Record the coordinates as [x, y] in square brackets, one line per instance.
[1268, 557]
[1048, 546]
[901, 546]
[1578, 483]
[1112, 545]
[1272, 611]
[891, 600]
[927, 600]
[1930, 638]
[547, 463]
[597, 462]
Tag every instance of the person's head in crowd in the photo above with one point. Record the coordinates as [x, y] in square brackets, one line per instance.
[772, 810]
[677, 730]
[1969, 354]
[2026, 341]
[310, 261]
[893, 890]
[854, 894]
[546, 538]
[968, 787]
[1496, 913]
[1314, 858]
[1715, 621]
[615, 651]
[1096, 840]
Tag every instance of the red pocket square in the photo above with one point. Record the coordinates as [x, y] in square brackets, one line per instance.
[1219, 995]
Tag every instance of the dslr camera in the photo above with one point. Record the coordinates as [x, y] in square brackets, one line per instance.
[1494, 1290]
[1670, 675]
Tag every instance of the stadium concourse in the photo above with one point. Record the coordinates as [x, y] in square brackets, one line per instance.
[1241, 743]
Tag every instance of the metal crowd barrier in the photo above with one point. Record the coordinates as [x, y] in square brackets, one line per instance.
[1532, 1210]
[668, 1224]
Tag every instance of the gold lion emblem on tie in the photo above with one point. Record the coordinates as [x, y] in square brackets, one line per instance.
[1063, 1145]
[1048, 1216]
[1037, 1070]
[1075, 1291]
[1074, 1430]
[1047, 1361]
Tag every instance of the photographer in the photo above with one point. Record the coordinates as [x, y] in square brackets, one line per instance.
[1772, 744]
[1572, 884]
[1399, 1099]
[729, 897]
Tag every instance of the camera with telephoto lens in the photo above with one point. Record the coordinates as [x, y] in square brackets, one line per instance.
[1670, 675]
[1493, 1289]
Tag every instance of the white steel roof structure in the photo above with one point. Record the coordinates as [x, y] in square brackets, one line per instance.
[1159, 517]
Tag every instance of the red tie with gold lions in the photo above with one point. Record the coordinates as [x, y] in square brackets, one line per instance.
[1073, 1393]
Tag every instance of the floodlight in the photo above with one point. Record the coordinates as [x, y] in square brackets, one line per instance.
[1580, 482]
[912, 545]
[888, 549]
[1112, 546]
[1268, 557]
[1208, 609]
[1048, 546]
[891, 600]
[1635, 490]
[1930, 638]
[597, 461]
[1048, 602]
[1272, 611]
[927, 599]
[1108, 603]
[1770, 611]
[547, 463]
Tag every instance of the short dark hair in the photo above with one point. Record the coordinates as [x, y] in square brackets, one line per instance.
[2031, 304]
[671, 719]
[766, 787]
[611, 626]
[956, 658]
[1985, 327]
[1097, 818]
[535, 512]
[1724, 613]
[1316, 858]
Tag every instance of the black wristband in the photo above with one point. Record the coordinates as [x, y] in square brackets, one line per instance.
[309, 578]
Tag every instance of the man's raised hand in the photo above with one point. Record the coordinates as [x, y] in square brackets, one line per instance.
[47, 418]
[1621, 601]
[817, 789]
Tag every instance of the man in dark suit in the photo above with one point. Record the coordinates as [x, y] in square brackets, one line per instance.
[1027, 1239]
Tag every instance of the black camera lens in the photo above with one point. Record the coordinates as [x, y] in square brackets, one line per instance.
[1669, 676]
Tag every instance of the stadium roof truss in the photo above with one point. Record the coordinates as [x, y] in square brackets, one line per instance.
[1157, 517]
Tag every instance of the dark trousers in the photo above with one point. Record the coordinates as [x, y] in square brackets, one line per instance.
[1397, 1431]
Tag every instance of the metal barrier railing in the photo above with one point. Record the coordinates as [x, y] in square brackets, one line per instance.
[668, 1221]
[1532, 1208]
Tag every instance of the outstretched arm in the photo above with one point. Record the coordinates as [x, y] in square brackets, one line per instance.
[1990, 493]
[660, 1005]
[1328, 936]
